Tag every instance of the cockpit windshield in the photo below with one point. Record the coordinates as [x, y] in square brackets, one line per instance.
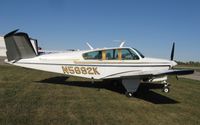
[139, 52]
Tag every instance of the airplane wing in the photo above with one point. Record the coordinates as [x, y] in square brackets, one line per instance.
[152, 73]
[130, 77]
[174, 72]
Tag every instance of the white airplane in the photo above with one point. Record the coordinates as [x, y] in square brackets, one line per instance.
[122, 63]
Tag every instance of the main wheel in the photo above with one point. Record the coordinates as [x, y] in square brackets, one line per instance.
[129, 94]
[166, 89]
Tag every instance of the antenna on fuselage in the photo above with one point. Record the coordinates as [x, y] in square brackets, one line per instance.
[89, 46]
[122, 44]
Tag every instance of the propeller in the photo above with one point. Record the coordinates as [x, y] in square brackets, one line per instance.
[172, 57]
[172, 52]
[177, 77]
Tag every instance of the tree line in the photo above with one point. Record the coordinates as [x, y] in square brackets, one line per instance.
[193, 63]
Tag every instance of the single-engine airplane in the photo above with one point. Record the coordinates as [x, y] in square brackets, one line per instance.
[124, 63]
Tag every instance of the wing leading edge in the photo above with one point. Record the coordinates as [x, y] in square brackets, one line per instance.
[151, 73]
[176, 72]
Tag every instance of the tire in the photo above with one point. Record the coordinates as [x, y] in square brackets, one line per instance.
[129, 94]
[166, 89]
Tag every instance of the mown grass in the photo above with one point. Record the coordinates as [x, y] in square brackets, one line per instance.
[35, 97]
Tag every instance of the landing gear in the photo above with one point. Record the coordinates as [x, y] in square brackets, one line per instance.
[131, 86]
[129, 94]
[166, 87]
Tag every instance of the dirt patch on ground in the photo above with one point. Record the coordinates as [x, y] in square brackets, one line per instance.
[195, 76]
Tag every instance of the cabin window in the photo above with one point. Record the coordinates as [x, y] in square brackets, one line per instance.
[111, 54]
[128, 55]
[97, 55]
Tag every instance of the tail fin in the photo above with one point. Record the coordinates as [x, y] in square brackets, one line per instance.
[18, 46]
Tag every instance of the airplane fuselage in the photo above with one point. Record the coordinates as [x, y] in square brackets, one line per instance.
[72, 63]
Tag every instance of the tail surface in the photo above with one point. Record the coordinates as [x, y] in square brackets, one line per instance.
[19, 46]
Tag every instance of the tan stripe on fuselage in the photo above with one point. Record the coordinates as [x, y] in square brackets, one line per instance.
[119, 62]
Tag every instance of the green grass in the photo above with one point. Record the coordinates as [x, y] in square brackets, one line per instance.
[35, 97]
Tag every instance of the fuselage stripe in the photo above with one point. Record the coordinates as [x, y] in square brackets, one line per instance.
[153, 65]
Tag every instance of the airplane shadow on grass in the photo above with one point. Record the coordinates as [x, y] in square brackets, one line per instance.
[144, 91]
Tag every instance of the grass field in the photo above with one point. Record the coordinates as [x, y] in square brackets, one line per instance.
[35, 97]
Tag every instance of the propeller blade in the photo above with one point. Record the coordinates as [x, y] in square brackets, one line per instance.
[172, 52]
[177, 77]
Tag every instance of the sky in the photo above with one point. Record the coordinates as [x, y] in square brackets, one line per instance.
[151, 26]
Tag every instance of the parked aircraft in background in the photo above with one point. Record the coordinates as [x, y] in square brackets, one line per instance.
[123, 63]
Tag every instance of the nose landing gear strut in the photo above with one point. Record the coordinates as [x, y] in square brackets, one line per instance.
[166, 88]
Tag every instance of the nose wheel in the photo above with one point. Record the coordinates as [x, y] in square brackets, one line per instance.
[166, 88]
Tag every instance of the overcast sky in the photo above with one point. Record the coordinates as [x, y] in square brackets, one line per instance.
[148, 25]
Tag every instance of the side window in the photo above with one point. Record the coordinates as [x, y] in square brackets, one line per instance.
[111, 54]
[93, 55]
[116, 52]
[128, 55]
